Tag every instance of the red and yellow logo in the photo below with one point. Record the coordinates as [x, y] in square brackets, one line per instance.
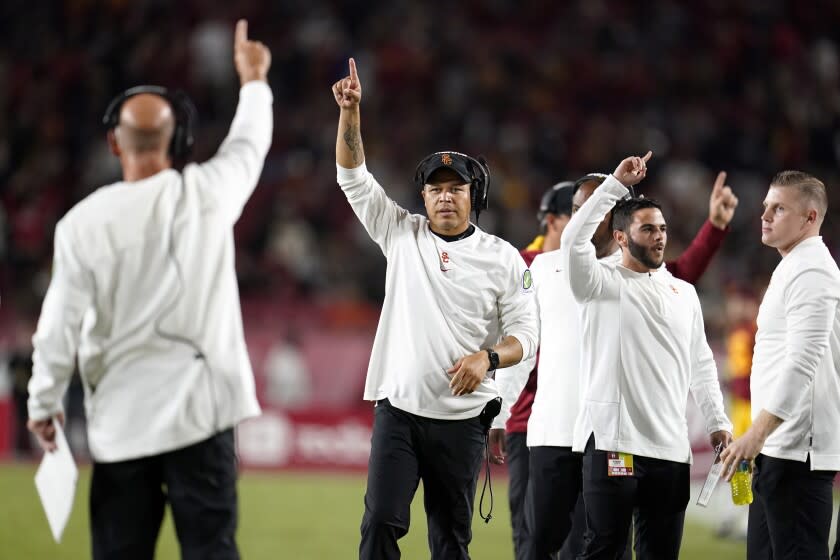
[446, 159]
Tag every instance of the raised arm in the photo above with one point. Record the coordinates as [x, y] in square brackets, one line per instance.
[586, 275]
[232, 174]
[349, 152]
[380, 215]
[691, 265]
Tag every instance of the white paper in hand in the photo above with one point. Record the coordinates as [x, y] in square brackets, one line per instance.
[56, 483]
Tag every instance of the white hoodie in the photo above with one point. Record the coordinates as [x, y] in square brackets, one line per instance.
[114, 280]
[796, 363]
[643, 344]
[443, 301]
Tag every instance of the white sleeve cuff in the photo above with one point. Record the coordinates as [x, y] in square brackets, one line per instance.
[346, 175]
[256, 89]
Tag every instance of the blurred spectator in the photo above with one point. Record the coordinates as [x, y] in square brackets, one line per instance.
[288, 384]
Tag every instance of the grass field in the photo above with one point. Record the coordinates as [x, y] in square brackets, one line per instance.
[294, 516]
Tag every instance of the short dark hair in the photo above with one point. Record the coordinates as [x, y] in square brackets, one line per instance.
[809, 187]
[622, 214]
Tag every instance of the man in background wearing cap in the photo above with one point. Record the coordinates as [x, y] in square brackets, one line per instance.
[458, 304]
[508, 436]
[554, 476]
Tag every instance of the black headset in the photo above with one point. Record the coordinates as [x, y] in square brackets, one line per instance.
[475, 170]
[186, 116]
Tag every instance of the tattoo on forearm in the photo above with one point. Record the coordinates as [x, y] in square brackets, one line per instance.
[354, 141]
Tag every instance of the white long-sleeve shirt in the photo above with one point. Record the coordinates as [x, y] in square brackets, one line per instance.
[643, 344]
[443, 301]
[561, 378]
[115, 298]
[796, 362]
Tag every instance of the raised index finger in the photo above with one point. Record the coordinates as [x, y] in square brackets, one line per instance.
[241, 35]
[354, 77]
[647, 156]
[719, 182]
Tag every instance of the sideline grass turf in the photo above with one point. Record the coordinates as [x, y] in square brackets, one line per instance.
[282, 515]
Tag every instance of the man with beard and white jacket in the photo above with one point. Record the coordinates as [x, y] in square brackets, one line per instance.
[795, 380]
[554, 506]
[644, 347]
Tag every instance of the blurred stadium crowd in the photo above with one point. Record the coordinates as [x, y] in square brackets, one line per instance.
[545, 90]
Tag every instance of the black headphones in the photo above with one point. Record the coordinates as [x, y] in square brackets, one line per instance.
[186, 116]
[474, 171]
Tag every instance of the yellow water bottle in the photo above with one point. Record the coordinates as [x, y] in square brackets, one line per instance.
[741, 485]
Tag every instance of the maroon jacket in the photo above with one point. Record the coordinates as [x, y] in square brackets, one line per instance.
[690, 266]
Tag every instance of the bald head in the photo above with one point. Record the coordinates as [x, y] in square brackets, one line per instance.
[146, 124]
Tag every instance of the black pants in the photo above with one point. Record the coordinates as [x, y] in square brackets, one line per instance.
[653, 499]
[446, 455]
[555, 475]
[127, 501]
[518, 462]
[554, 491]
[790, 516]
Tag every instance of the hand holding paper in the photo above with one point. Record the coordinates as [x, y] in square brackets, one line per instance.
[56, 483]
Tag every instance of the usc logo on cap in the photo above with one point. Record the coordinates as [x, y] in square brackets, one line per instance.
[446, 159]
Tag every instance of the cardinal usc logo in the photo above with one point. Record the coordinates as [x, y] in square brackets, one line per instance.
[444, 257]
[446, 159]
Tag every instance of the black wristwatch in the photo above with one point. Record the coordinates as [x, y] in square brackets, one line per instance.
[494, 359]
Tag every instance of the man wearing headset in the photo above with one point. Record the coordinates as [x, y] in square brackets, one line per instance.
[458, 305]
[144, 293]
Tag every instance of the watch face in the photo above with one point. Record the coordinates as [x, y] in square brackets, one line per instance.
[494, 359]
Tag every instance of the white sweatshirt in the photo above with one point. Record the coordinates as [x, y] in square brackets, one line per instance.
[796, 363]
[443, 301]
[560, 377]
[643, 344]
[114, 280]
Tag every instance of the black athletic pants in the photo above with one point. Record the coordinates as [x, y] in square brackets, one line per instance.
[654, 499]
[446, 455]
[127, 501]
[556, 474]
[554, 490]
[790, 516]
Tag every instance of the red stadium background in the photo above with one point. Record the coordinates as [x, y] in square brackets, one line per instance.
[310, 364]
